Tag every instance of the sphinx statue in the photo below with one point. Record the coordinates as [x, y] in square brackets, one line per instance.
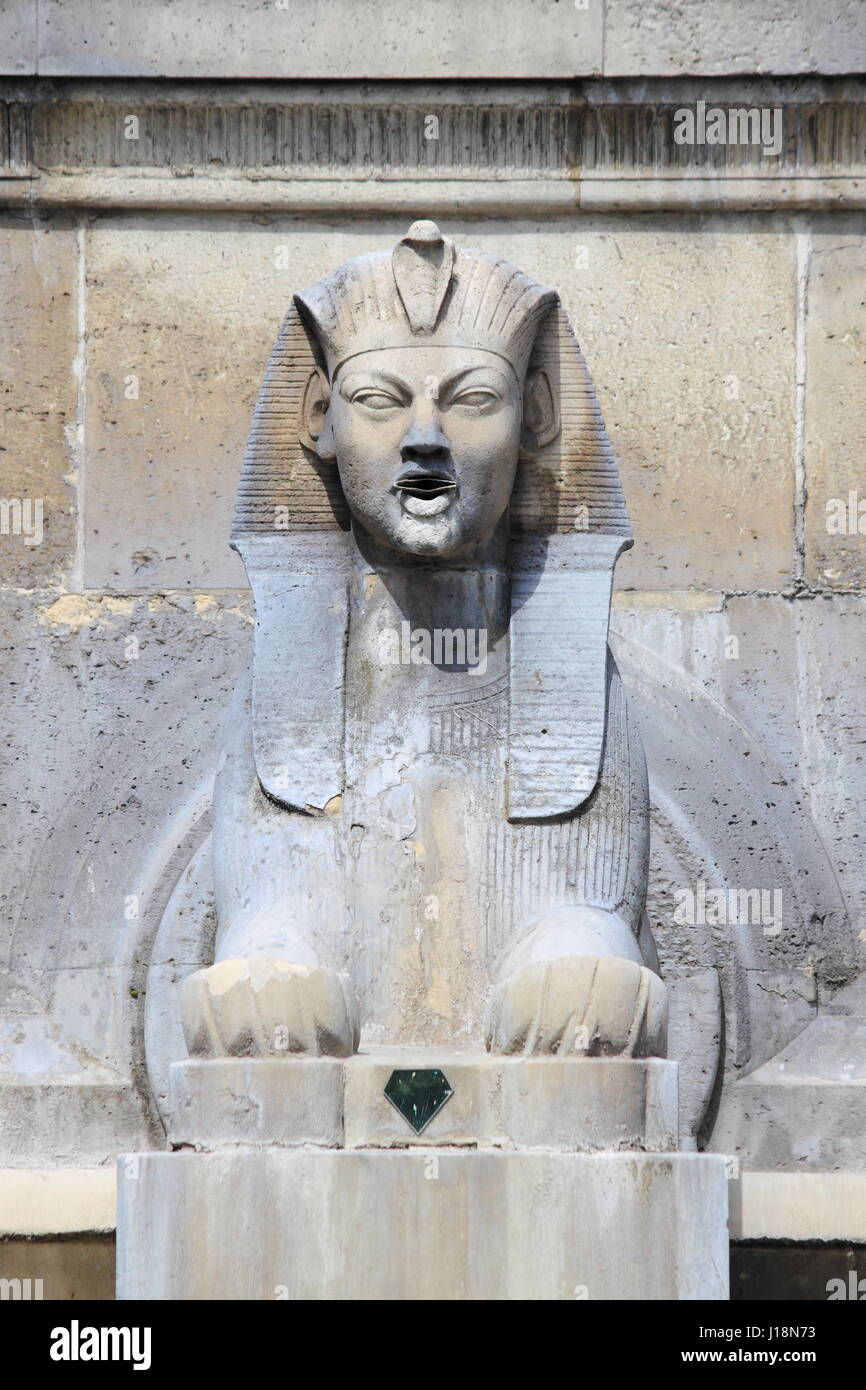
[431, 815]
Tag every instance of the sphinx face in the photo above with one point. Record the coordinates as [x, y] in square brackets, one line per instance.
[426, 440]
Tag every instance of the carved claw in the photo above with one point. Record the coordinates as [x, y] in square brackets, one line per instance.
[268, 1008]
[580, 1006]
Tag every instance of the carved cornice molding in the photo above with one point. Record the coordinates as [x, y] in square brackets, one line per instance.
[470, 147]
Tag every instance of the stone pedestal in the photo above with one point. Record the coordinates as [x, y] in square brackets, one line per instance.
[540, 1179]
[581, 1104]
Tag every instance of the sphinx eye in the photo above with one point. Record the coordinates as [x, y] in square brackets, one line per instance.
[375, 399]
[476, 396]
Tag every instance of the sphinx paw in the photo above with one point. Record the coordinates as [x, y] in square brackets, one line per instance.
[268, 1008]
[580, 1006]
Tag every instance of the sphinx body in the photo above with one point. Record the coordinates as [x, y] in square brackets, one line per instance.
[454, 849]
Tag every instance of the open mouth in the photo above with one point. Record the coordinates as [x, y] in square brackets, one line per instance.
[425, 483]
[425, 492]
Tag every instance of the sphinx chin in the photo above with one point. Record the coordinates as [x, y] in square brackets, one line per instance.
[435, 538]
[434, 542]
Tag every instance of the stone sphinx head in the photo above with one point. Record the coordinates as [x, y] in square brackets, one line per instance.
[429, 405]
[422, 394]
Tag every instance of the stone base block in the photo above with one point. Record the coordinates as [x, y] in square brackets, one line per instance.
[367, 1224]
[576, 1104]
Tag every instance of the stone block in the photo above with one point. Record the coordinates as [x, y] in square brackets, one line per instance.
[517, 38]
[835, 418]
[18, 37]
[675, 37]
[798, 1127]
[39, 459]
[831, 717]
[375, 1224]
[260, 1100]
[80, 1118]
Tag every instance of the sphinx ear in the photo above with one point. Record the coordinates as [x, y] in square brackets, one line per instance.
[314, 426]
[540, 413]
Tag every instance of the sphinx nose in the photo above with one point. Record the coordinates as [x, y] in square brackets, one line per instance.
[425, 442]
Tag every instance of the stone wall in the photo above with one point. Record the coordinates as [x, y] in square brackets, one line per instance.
[167, 179]
[461, 38]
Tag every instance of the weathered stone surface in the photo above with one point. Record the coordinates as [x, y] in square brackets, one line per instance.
[505, 133]
[89, 858]
[694, 1035]
[831, 652]
[372, 1224]
[76, 1119]
[40, 455]
[18, 42]
[788, 671]
[504, 150]
[835, 418]
[685, 36]
[793, 1126]
[520, 38]
[166, 308]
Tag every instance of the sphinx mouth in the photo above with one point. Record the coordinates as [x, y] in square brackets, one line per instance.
[425, 492]
[425, 483]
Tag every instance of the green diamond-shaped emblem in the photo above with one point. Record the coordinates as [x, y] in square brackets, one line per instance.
[418, 1095]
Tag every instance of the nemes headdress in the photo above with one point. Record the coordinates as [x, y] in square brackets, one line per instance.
[568, 518]
[425, 291]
